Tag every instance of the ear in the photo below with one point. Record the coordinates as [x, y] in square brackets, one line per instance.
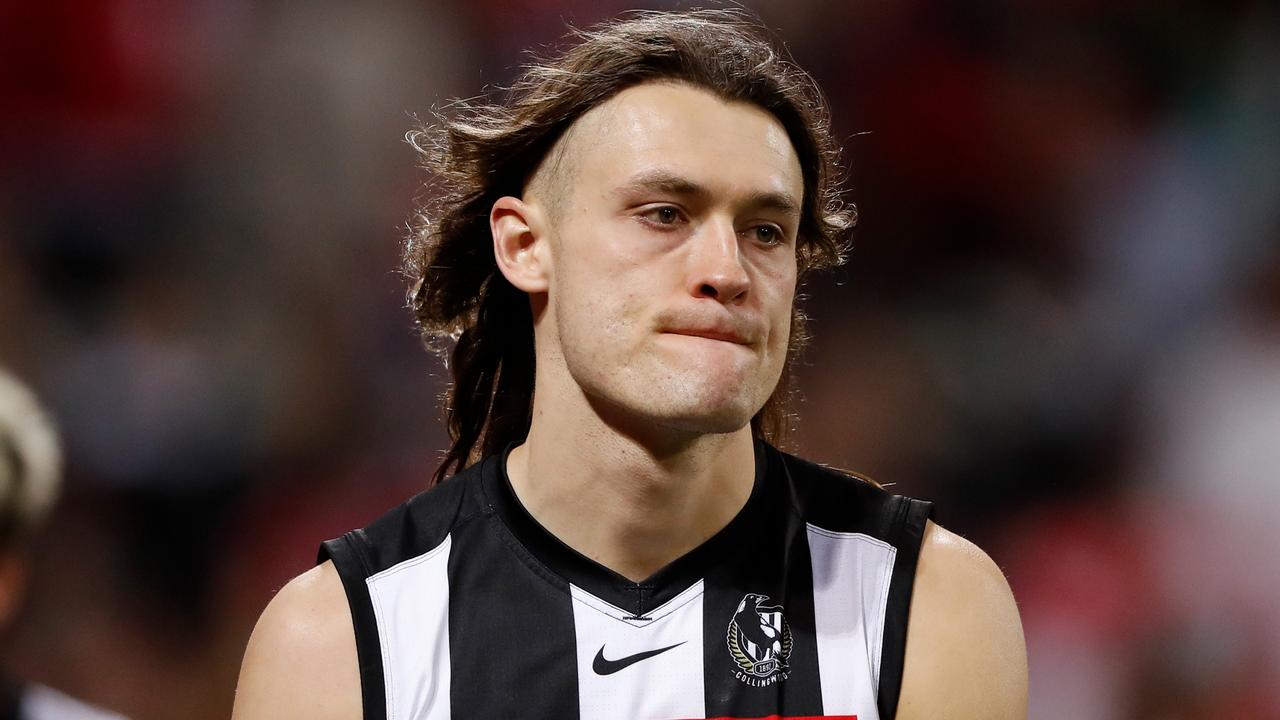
[520, 243]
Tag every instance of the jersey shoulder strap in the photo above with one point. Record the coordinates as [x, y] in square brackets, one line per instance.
[833, 501]
[407, 531]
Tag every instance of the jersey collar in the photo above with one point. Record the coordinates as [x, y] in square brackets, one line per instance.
[607, 585]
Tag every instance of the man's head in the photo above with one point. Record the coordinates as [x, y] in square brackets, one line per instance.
[754, 150]
[660, 259]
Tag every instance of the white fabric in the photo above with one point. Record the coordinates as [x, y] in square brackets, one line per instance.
[667, 685]
[45, 703]
[851, 579]
[851, 574]
[411, 605]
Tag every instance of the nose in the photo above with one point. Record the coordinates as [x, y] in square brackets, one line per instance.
[715, 264]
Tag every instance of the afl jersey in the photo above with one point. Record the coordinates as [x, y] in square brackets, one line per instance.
[465, 607]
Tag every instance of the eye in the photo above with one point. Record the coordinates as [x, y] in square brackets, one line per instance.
[769, 234]
[663, 215]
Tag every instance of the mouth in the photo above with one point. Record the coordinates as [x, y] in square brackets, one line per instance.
[722, 335]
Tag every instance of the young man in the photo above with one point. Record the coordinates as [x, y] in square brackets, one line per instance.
[620, 539]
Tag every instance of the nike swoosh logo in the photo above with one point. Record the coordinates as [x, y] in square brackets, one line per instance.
[609, 667]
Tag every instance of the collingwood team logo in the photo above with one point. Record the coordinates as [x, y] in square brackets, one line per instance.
[759, 641]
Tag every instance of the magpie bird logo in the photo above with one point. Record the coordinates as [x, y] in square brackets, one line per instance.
[760, 642]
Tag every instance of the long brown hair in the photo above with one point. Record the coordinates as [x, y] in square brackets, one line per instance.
[479, 151]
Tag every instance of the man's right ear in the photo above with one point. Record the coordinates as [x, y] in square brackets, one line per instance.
[520, 244]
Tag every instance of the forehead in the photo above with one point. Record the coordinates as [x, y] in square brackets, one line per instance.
[728, 146]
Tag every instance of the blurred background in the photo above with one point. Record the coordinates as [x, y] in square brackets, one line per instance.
[1061, 321]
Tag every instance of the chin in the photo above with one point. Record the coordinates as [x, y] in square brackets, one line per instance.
[706, 415]
[700, 400]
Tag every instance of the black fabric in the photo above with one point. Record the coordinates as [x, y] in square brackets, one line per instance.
[832, 500]
[407, 531]
[606, 584]
[352, 569]
[771, 560]
[510, 615]
[511, 641]
[908, 533]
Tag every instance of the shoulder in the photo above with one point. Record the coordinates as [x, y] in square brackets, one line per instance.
[301, 659]
[965, 653]
[840, 501]
[414, 527]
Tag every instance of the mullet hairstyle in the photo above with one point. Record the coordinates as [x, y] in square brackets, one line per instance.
[481, 152]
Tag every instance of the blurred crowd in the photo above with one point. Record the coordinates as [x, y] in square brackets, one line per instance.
[1061, 320]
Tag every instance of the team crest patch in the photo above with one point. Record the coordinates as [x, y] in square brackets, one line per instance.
[759, 641]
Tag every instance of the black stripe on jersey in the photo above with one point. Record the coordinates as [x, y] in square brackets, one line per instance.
[774, 562]
[353, 569]
[510, 617]
[832, 500]
[906, 535]
[602, 582]
[511, 641]
[406, 531]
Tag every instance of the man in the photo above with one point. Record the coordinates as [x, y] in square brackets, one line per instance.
[30, 474]
[620, 539]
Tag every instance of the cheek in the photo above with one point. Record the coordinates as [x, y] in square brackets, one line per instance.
[594, 315]
[781, 286]
[780, 336]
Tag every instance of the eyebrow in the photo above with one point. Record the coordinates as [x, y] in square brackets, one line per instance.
[665, 181]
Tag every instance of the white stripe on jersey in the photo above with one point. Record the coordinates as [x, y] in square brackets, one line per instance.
[663, 686]
[851, 574]
[411, 603]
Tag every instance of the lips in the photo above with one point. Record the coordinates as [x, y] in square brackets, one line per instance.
[723, 334]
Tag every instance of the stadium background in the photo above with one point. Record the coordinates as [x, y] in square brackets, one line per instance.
[1061, 321]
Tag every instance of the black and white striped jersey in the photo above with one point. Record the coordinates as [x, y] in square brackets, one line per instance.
[465, 607]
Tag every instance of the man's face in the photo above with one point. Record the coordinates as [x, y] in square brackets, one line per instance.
[673, 258]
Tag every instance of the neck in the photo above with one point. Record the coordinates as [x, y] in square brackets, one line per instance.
[631, 504]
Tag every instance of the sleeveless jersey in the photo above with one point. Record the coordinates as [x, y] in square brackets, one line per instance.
[465, 607]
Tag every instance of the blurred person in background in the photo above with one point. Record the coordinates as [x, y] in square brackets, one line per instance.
[621, 538]
[30, 475]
